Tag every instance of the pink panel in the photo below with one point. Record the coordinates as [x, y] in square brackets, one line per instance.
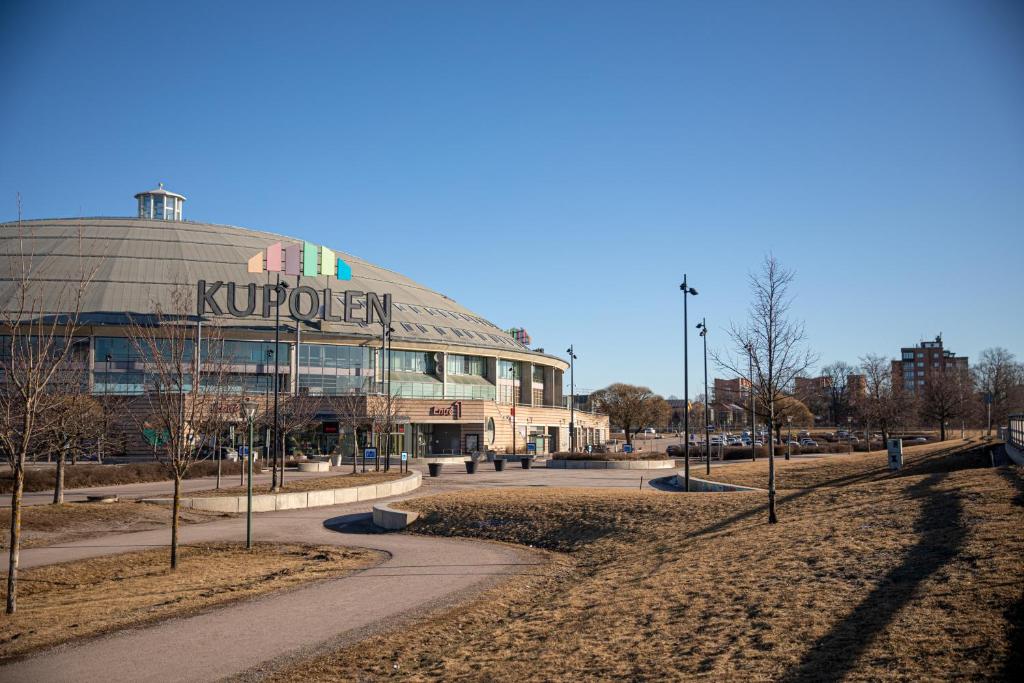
[274, 258]
[293, 259]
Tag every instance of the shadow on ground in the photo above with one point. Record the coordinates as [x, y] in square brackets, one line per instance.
[940, 537]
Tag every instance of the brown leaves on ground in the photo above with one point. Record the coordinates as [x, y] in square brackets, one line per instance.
[61, 602]
[52, 524]
[914, 577]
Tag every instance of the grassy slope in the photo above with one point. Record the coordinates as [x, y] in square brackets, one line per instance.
[903, 578]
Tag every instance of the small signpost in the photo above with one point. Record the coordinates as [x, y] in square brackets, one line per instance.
[531, 447]
[627, 448]
[895, 448]
[243, 451]
[405, 462]
[369, 454]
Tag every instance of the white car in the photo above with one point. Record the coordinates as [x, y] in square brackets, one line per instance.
[808, 443]
[650, 431]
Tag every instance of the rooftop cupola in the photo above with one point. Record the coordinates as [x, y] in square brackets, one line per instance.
[160, 204]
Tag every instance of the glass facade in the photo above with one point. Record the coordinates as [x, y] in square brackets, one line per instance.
[466, 365]
[331, 370]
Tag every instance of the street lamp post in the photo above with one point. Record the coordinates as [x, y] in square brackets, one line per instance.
[849, 432]
[703, 327]
[687, 291]
[572, 399]
[789, 440]
[753, 406]
[106, 409]
[515, 366]
[249, 412]
[279, 288]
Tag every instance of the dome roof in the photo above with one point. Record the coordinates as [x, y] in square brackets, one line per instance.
[160, 190]
[140, 262]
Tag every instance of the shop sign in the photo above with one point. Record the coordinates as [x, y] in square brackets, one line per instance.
[453, 411]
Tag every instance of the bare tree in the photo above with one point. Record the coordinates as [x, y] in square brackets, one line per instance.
[886, 405]
[838, 392]
[946, 397]
[296, 412]
[996, 375]
[385, 413]
[186, 394]
[72, 421]
[773, 344]
[789, 410]
[350, 409]
[39, 324]
[631, 407]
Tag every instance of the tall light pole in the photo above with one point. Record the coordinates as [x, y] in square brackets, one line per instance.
[753, 406]
[279, 289]
[703, 327]
[249, 412]
[687, 291]
[789, 440]
[849, 432]
[572, 399]
[515, 366]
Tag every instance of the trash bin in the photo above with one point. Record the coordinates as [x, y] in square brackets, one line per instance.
[435, 468]
[499, 464]
[470, 467]
[525, 462]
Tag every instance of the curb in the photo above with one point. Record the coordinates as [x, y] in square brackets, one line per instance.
[611, 464]
[387, 517]
[707, 486]
[269, 502]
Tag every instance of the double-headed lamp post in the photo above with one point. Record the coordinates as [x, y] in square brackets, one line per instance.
[687, 291]
[572, 399]
[249, 413]
[280, 292]
[703, 327]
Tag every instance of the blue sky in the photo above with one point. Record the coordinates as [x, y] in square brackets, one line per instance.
[560, 165]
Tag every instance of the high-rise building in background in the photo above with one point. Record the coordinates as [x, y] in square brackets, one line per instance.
[918, 364]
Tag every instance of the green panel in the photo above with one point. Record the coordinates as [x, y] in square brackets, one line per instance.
[309, 260]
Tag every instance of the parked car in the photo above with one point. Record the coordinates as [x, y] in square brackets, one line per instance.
[920, 439]
[811, 443]
[650, 431]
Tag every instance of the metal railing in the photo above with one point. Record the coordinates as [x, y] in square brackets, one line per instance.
[1015, 437]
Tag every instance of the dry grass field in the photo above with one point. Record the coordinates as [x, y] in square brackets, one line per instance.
[53, 524]
[63, 602]
[907, 578]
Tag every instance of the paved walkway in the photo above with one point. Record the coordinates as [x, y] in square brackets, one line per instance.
[232, 639]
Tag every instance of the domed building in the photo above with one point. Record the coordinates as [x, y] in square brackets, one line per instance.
[460, 377]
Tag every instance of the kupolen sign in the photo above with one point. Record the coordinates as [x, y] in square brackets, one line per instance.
[453, 411]
[302, 302]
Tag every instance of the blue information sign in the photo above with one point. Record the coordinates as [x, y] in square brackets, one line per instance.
[405, 456]
[243, 451]
[531, 447]
[369, 454]
[627, 448]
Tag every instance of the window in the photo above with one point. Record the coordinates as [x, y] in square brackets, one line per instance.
[413, 361]
[465, 365]
[506, 369]
[538, 374]
[920, 364]
[908, 355]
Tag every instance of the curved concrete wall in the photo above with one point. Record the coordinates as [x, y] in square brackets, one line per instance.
[268, 502]
[705, 486]
[610, 464]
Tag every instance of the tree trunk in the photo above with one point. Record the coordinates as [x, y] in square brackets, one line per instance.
[58, 485]
[174, 520]
[942, 430]
[15, 552]
[772, 517]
